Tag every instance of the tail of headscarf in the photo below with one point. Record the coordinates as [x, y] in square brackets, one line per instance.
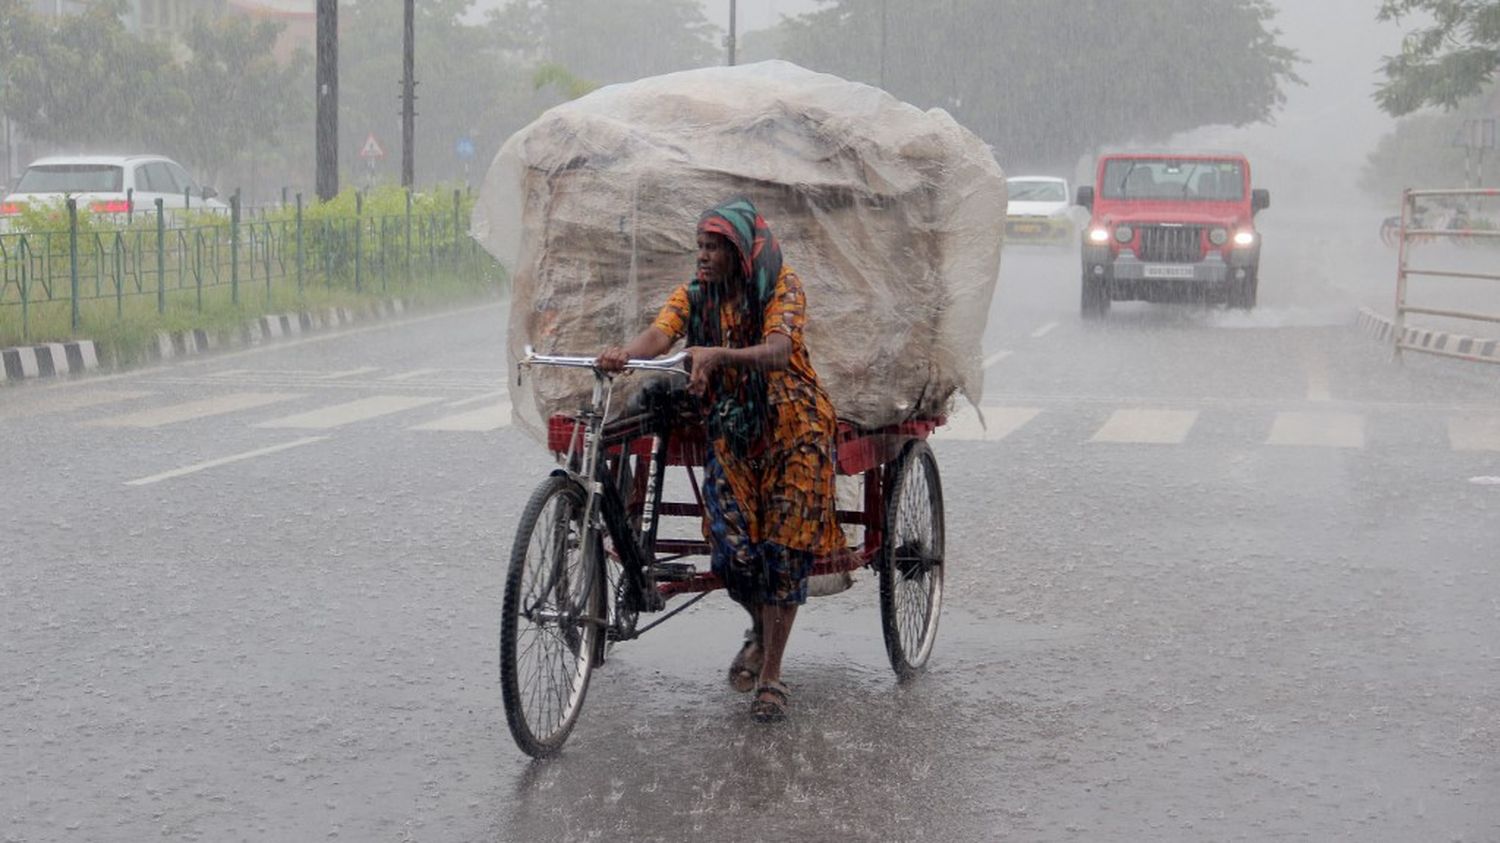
[740, 414]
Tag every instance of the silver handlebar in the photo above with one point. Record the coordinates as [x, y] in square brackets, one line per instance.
[672, 363]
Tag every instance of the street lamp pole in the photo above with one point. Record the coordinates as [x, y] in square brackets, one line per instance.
[730, 42]
[882, 41]
[408, 97]
[328, 99]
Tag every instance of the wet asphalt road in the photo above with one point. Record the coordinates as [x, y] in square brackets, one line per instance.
[1276, 620]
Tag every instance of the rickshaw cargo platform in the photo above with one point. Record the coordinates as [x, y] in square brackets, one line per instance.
[893, 217]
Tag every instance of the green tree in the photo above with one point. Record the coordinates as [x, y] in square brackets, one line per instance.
[241, 102]
[1047, 82]
[88, 81]
[1442, 63]
[612, 40]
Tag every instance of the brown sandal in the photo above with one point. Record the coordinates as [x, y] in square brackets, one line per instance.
[742, 673]
[770, 704]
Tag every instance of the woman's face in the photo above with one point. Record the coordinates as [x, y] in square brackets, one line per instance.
[716, 257]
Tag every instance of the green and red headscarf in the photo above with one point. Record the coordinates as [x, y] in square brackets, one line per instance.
[739, 412]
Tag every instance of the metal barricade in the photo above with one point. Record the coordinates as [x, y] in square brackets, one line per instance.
[1414, 229]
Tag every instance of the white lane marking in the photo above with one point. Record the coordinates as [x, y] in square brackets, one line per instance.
[1000, 422]
[995, 358]
[1043, 331]
[414, 373]
[349, 373]
[229, 373]
[464, 402]
[196, 467]
[174, 413]
[493, 417]
[1322, 430]
[1474, 433]
[69, 401]
[1317, 379]
[1154, 427]
[349, 412]
[1485, 481]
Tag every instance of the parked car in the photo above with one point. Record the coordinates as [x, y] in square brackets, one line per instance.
[1171, 227]
[1041, 211]
[110, 184]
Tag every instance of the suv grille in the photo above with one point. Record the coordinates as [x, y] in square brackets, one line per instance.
[1171, 244]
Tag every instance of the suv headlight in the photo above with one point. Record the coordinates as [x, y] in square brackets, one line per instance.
[1124, 234]
[1098, 235]
[1218, 236]
[1244, 238]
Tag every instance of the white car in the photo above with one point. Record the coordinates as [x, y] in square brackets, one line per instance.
[109, 184]
[1041, 211]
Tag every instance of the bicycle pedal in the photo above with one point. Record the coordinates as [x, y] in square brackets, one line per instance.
[673, 571]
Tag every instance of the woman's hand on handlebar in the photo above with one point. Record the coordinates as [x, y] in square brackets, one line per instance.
[703, 361]
[651, 344]
[613, 359]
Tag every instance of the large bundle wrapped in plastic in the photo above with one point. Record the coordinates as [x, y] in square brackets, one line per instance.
[893, 217]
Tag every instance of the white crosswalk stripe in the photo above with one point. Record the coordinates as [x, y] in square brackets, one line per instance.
[1474, 433]
[999, 422]
[189, 410]
[1323, 430]
[414, 373]
[475, 399]
[67, 402]
[484, 419]
[1147, 427]
[350, 412]
[349, 373]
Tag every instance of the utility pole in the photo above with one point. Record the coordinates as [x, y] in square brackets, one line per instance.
[328, 99]
[730, 41]
[408, 97]
[882, 42]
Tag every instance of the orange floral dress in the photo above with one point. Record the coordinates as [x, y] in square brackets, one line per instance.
[770, 514]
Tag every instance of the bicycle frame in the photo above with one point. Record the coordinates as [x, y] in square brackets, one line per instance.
[605, 509]
[582, 440]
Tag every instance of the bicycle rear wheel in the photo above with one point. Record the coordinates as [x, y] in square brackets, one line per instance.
[550, 618]
[911, 559]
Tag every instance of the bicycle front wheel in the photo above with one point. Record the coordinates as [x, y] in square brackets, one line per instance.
[550, 618]
[911, 559]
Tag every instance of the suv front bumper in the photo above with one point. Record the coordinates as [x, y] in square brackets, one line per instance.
[1128, 277]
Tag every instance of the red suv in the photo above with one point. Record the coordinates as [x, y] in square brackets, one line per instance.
[1168, 227]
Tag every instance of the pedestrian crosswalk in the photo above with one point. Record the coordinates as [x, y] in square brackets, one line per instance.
[1466, 431]
[349, 412]
[190, 410]
[1088, 423]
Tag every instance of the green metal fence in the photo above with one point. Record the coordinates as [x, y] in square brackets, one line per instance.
[179, 261]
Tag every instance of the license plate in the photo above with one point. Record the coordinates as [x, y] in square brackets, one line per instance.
[1159, 270]
[1025, 228]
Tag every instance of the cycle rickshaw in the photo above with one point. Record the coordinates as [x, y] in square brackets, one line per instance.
[587, 561]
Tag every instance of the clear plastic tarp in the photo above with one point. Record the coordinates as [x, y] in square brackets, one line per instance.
[892, 216]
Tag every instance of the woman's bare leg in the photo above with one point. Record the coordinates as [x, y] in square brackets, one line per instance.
[775, 629]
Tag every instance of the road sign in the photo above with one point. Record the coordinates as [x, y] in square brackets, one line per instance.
[464, 149]
[372, 150]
